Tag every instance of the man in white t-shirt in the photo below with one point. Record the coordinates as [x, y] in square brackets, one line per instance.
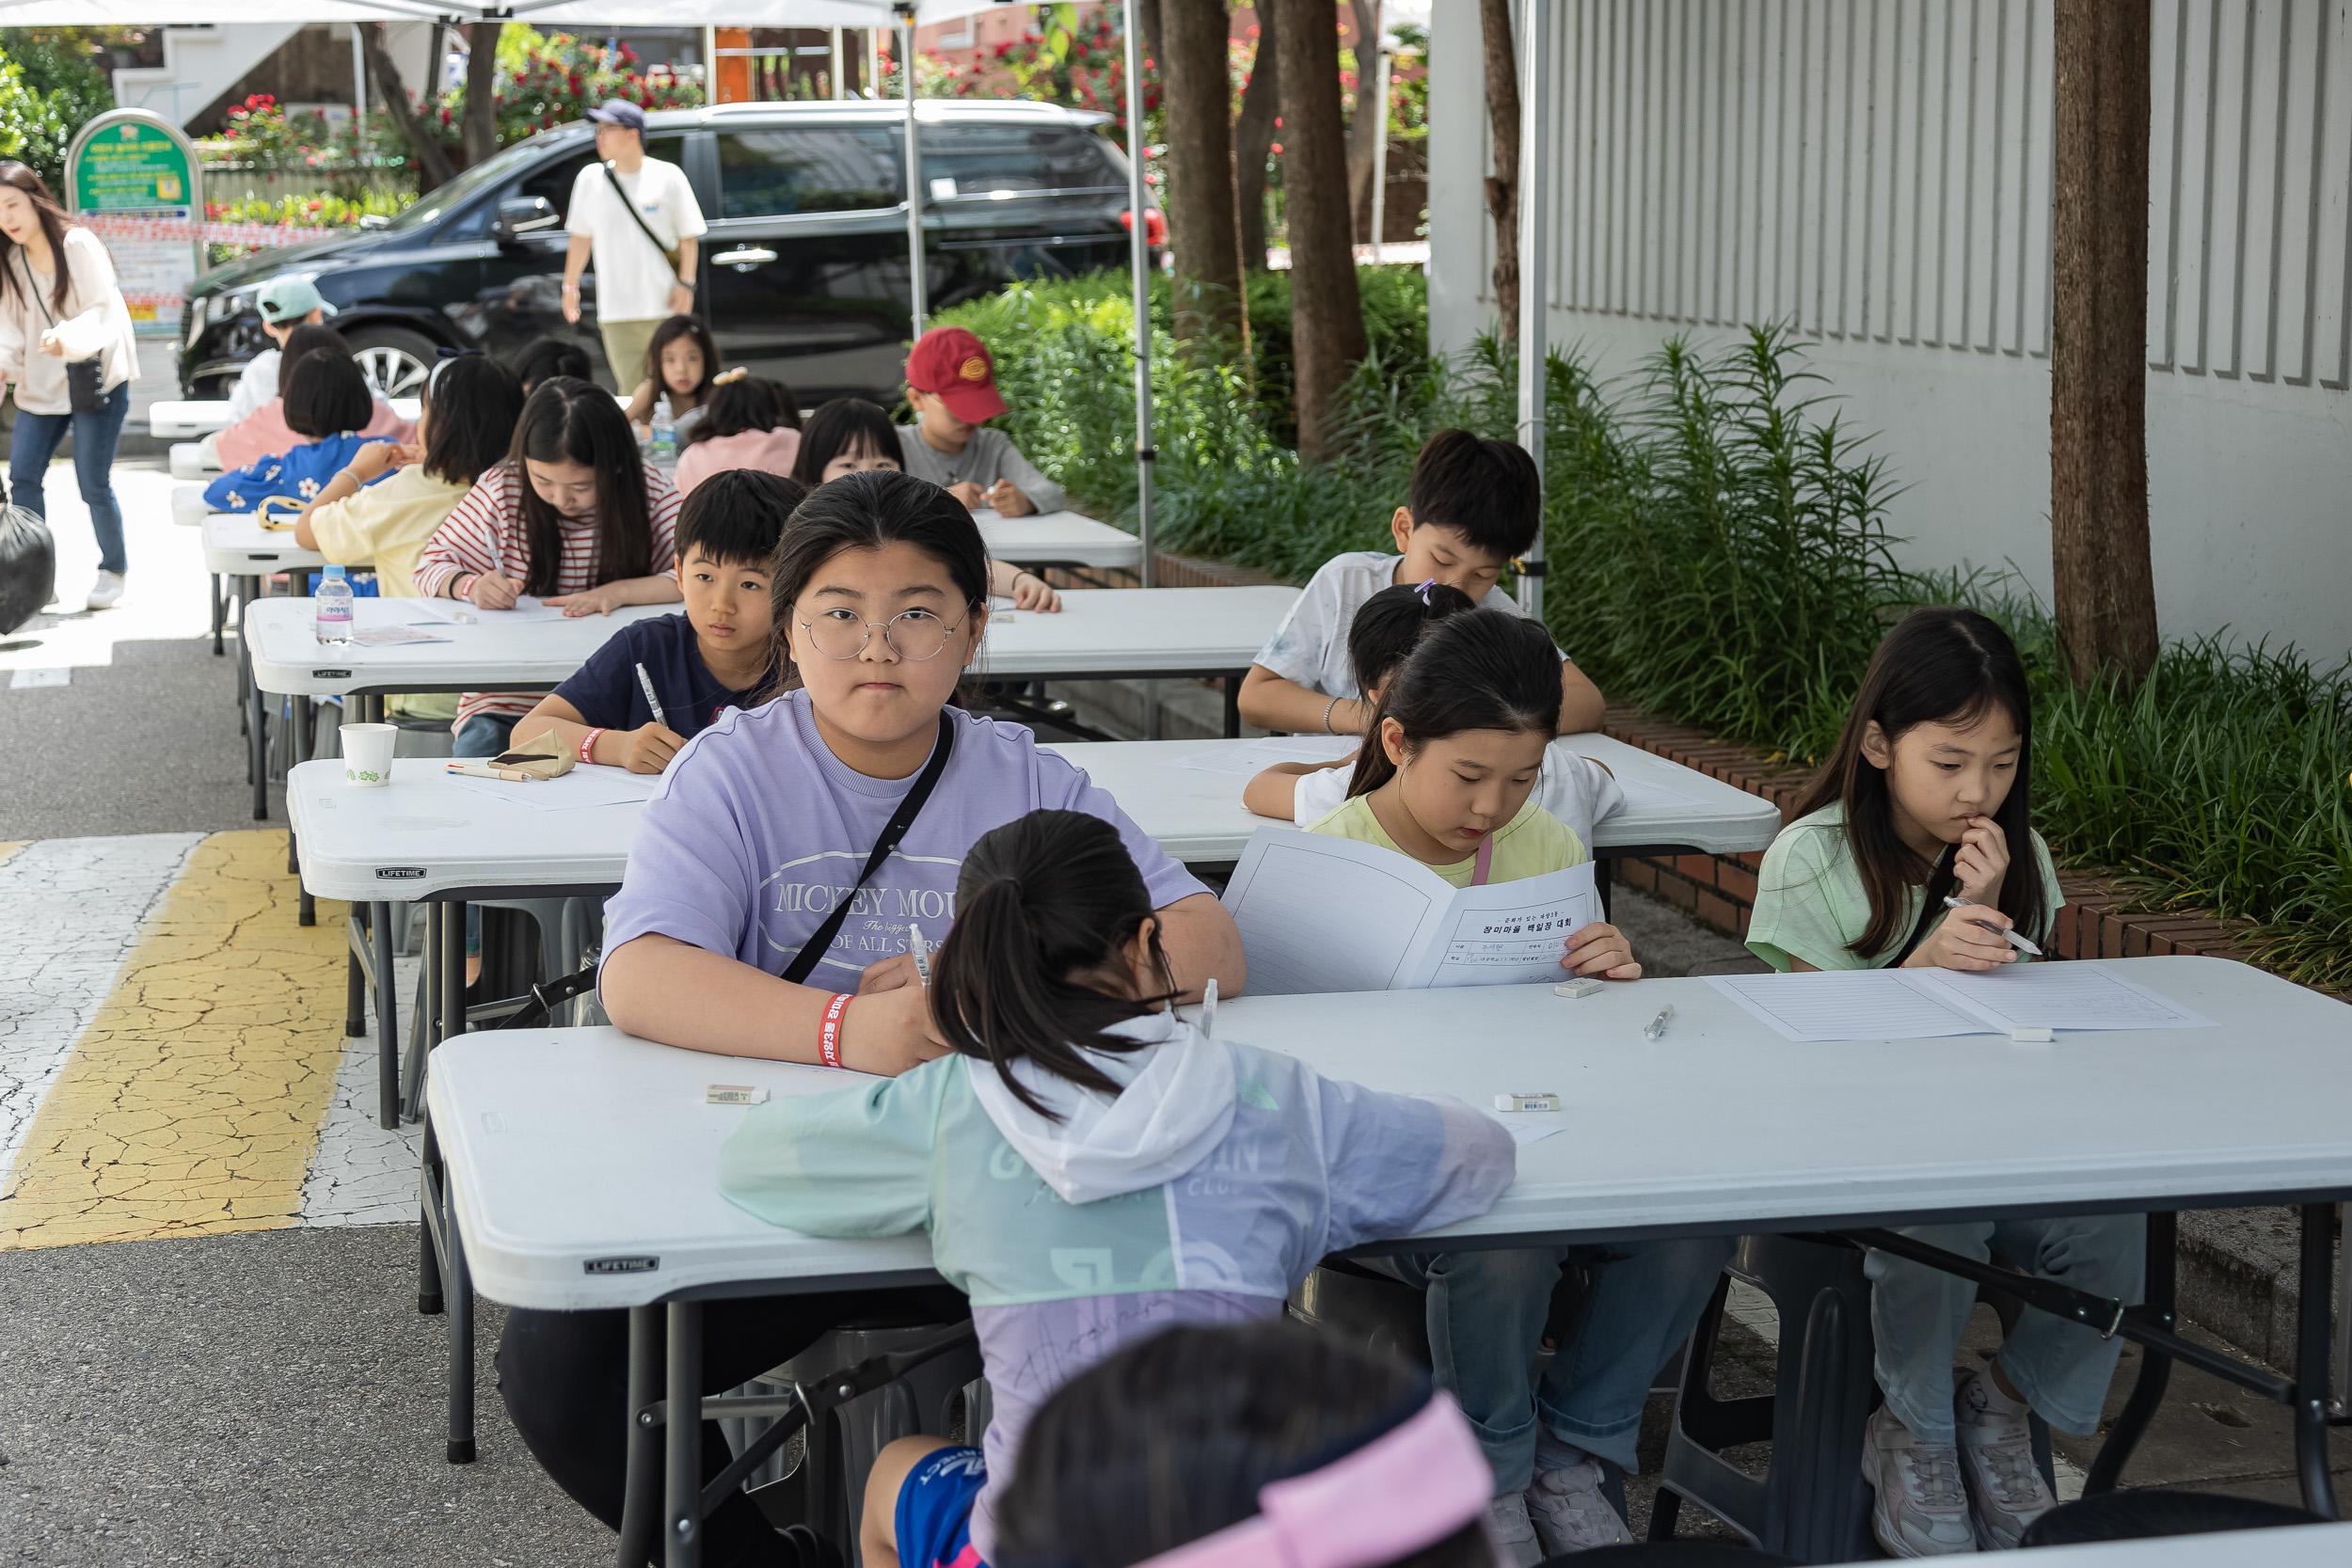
[637, 288]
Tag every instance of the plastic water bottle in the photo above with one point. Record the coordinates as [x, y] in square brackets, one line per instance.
[664, 432]
[334, 607]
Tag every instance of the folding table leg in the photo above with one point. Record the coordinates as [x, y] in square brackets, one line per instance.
[1233, 706]
[2342, 1405]
[2156, 1372]
[2311, 1359]
[354, 982]
[459, 1300]
[429, 1297]
[641, 1497]
[256, 714]
[682, 1490]
[386, 1018]
[220, 613]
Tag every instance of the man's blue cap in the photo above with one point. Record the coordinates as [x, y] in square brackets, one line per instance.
[620, 111]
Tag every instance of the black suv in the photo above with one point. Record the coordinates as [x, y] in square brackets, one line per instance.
[804, 271]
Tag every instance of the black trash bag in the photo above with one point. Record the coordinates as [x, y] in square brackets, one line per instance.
[28, 567]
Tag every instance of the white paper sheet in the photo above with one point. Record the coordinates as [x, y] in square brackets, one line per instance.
[1246, 758]
[580, 788]
[1523, 1127]
[1319, 913]
[2061, 996]
[1850, 1005]
[392, 637]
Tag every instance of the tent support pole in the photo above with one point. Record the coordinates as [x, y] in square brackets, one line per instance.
[1534, 267]
[1139, 271]
[919, 282]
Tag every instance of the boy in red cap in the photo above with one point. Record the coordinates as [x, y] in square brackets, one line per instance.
[951, 381]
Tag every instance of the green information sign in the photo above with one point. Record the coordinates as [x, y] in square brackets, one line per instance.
[131, 166]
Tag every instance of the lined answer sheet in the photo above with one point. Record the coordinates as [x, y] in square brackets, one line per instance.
[1246, 758]
[1850, 1005]
[584, 786]
[2060, 996]
[1313, 918]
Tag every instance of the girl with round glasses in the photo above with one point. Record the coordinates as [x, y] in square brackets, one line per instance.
[760, 828]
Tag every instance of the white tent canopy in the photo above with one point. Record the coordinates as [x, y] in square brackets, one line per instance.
[538, 13]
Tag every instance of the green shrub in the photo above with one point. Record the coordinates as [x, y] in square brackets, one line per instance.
[1719, 553]
[50, 86]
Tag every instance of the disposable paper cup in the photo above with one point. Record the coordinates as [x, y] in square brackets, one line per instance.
[368, 752]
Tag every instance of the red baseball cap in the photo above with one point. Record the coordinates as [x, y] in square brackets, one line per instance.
[954, 367]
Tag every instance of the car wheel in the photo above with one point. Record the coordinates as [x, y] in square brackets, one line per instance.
[396, 361]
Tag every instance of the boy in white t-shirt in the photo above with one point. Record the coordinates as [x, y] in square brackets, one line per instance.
[637, 289]
[285, 303]
[1474, 504]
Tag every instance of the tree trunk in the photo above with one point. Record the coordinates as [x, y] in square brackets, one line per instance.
[1203, 217]
[1326, 315]
[2106, 587]
[1253, 142]
[481, 126]
[431, 158]
[1363, 125]
[1503, 186]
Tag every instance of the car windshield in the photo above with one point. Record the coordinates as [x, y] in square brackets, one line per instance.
[433, 204]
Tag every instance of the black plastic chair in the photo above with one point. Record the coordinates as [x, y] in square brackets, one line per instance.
[2141, 1515]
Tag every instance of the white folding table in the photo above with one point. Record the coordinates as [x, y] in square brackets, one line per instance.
[187, 461]
[428, 839]
[188, 421]
[577, 1169]
[1059, 539]
[1196, 813]
[1117, 633]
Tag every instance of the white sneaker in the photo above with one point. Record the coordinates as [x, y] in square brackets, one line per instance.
[106, 592]
[1922, 1510]
[1570, 1513]
[2006, 1492]
[1513, 1536]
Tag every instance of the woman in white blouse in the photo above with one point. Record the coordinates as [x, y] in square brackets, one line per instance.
[59, 304]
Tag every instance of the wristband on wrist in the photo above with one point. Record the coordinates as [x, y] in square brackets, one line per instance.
[829, 1031]
[588, 744]
[459, 585]
[1326, 715]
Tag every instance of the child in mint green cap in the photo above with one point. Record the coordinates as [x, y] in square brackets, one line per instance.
[285, 303]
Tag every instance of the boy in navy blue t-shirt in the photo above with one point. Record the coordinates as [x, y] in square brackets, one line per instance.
[715, 657]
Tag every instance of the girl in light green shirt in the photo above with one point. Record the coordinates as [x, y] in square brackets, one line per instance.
[1928, 797]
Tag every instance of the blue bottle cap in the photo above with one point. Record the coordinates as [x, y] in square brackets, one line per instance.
[334, 571]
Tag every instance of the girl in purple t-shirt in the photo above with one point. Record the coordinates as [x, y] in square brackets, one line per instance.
[761, 826]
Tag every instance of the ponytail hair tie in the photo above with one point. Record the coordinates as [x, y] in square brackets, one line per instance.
[725, 378]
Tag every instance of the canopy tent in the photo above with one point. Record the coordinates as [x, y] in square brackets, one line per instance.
[904, 15]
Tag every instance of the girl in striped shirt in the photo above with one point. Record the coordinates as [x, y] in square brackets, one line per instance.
[573, 517]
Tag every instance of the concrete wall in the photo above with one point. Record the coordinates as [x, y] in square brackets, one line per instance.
[1879, 174]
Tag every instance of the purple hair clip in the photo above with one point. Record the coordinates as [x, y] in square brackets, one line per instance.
[1428, 583]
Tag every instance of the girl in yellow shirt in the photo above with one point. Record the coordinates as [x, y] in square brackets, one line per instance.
[1446, 777]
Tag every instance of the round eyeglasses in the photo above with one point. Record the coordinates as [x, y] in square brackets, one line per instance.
[914, 635]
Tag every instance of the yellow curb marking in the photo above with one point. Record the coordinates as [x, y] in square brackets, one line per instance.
[192, 1103]
[10, 848]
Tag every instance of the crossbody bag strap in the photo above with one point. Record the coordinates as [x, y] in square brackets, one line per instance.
[1930, 906]
[668, 254]
[25, 268]
[896, 829]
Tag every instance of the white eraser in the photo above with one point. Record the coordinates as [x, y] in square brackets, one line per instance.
[1526, 1102]
[734, 1094]
[2031, 1037]
[1583, 985]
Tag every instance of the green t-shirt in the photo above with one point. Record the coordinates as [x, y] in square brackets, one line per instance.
[1810, 902]
[1534, 843]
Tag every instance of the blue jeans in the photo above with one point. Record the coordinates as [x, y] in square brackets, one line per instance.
[1917, 1315]
[95, 437]
[1486, 1316]
[485, 734]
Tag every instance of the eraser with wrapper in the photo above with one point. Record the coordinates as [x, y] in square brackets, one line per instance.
[734, 1094]
[1526, 1102]
[1583, 985]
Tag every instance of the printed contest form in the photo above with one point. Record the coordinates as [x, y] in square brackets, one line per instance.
[1319, 913]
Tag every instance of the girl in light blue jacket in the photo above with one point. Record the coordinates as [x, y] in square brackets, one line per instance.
[1090, 1168]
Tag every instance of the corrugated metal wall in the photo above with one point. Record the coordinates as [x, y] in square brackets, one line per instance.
[1881, 171]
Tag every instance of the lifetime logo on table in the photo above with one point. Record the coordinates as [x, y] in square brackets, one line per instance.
[620, 1265]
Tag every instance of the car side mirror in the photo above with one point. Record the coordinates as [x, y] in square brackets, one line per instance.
[519, 216]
